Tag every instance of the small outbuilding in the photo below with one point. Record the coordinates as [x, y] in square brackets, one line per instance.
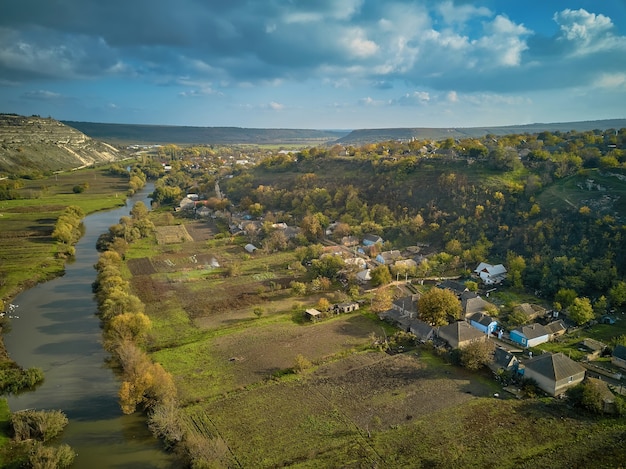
[618, 358]
[313, 314]
[250, 248]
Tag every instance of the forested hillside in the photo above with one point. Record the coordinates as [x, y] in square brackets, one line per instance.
[552, 202]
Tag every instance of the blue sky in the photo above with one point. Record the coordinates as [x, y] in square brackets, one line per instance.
[323, 64]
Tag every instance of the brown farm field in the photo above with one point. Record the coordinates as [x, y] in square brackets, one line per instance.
[353, 406]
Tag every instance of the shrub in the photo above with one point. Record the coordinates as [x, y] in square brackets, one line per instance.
[42, 425]
[13, 380]
[51, 457]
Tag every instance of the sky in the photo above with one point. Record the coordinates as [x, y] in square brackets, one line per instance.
[314, 64]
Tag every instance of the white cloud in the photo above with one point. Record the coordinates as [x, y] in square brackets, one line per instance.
[357, 43]
[588, 32]
[41, 95]
[276, 106]
[413, 99]
[611, 81]
[452, 13]
[452, 97]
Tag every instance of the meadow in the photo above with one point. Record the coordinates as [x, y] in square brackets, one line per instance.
[27, 250]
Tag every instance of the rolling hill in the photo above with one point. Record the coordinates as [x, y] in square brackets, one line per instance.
[160, 134]
[363, 136]
[35, 144]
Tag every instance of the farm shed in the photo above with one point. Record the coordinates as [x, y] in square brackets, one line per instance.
[313, 314]
[250, 248]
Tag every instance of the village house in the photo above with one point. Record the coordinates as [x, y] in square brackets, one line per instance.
[346, 307]
[618, 358]
[530, 311]
[459, 334]
[388, 257]
[421, 330]
[457, 288]
[483, 322]
[503, 360]
[471, 303]
[371, 239]
[594, 348]
[490, 274]
[530, 335]
[350, 241]
[554, 373]
[556, 329]
[407, 305]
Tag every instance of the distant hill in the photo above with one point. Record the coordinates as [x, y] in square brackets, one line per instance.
[363, 136]
[160, 134]
[36, 144]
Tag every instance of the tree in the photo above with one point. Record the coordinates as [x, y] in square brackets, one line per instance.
[298, 288]
[565, 296]
[312, 228]
[581, 311]
[437, 306]
[617, 294]
[382, 300]
[380, 275]
[516, 265]
[477, 354]
[323, 305]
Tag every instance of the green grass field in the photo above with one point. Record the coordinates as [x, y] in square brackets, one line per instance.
[27, 250]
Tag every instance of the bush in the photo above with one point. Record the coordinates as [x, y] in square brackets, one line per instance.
[51, 457]
[14, 380]
[42, 425]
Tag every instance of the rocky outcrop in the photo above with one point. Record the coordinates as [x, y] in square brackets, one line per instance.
[36, 144]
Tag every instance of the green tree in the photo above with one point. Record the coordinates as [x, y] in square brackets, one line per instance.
[565, 296]
[477, 354]
[437, 306]
[380, 275]
[581, 311]
[617, 293]
[516, 265]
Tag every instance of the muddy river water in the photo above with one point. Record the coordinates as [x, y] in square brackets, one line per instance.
[56, 329]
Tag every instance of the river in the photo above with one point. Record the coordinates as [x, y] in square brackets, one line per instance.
[57, 330]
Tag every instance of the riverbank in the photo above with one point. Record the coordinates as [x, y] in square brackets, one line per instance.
[58, 330]
[28, 253]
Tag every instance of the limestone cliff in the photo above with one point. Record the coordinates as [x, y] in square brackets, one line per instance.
[36, 144]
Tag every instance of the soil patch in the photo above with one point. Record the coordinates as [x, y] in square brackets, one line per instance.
[172, 234]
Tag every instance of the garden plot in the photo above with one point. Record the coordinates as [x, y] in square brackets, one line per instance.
[172, 234]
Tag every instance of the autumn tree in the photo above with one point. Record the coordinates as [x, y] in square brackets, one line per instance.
[437, 306]
[382, 300]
